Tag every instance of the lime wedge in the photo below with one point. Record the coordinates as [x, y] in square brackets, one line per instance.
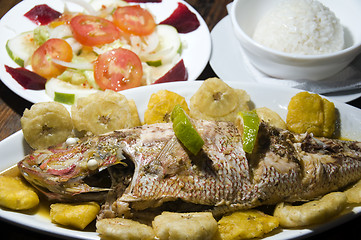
[67, 98]
[177, 113]
[250, 130]
[185, 131]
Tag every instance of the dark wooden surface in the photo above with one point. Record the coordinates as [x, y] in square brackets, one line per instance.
[12, 107]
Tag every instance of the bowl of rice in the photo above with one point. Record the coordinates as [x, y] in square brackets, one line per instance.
[298, 39]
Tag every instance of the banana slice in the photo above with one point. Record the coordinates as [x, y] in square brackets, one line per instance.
[192, 226]
[271, 117]
[46, 124]
[215, 100]
[134, 113]
[74, 215]
[247, 224]
[121, 228]
[313, 212]
[16, 194]
[161, 104]
[103, 112]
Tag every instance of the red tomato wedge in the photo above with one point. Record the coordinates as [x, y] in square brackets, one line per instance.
[118, 69]
[54, 48]
[134, 20]
[93, 31]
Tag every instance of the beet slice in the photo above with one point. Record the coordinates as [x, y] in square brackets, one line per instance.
[26, 78]
[182, 19]
[42, 14]
[177, 73]
[143, 1]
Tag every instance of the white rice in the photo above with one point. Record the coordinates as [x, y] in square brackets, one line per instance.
[300, 26]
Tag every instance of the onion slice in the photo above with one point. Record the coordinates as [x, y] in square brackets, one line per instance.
[85, 5]
[80, 66]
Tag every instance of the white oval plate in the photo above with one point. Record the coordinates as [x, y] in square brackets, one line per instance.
[230, 64]
[13, 149]
[195, 55]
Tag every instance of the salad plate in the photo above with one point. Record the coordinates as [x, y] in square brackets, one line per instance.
[230, 64]
[276, 98]
[195, 53]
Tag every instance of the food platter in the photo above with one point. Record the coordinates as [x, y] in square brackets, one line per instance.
[230, 64]
[195, 54]
[274, 97]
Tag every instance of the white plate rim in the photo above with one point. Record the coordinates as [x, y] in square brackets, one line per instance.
[260, 94]
[195, 55]
[227, 62]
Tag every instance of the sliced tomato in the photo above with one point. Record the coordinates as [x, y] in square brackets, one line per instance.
[134, 20]
[118, 69]
[93, 30]
[63, 19]
[54, 48]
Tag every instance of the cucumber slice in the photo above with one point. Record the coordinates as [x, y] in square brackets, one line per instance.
[59, 90]
[154, 63]
[67, 98]
[21, 48]
[168, 47]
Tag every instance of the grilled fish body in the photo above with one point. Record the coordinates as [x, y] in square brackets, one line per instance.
[149, 166]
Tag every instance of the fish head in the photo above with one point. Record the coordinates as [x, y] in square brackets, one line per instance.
[77, 172]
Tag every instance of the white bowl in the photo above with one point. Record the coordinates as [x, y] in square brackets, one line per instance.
[245, 14]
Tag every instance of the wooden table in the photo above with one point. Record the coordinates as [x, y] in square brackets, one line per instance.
[12, 107]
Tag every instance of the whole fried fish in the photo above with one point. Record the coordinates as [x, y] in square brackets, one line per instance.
[147, 166]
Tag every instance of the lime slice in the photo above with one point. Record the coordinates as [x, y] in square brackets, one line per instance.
[169, 45]
[185, 131]
[250, 129]
[67, 98]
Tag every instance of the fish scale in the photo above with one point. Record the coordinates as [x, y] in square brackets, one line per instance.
[283, 167]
